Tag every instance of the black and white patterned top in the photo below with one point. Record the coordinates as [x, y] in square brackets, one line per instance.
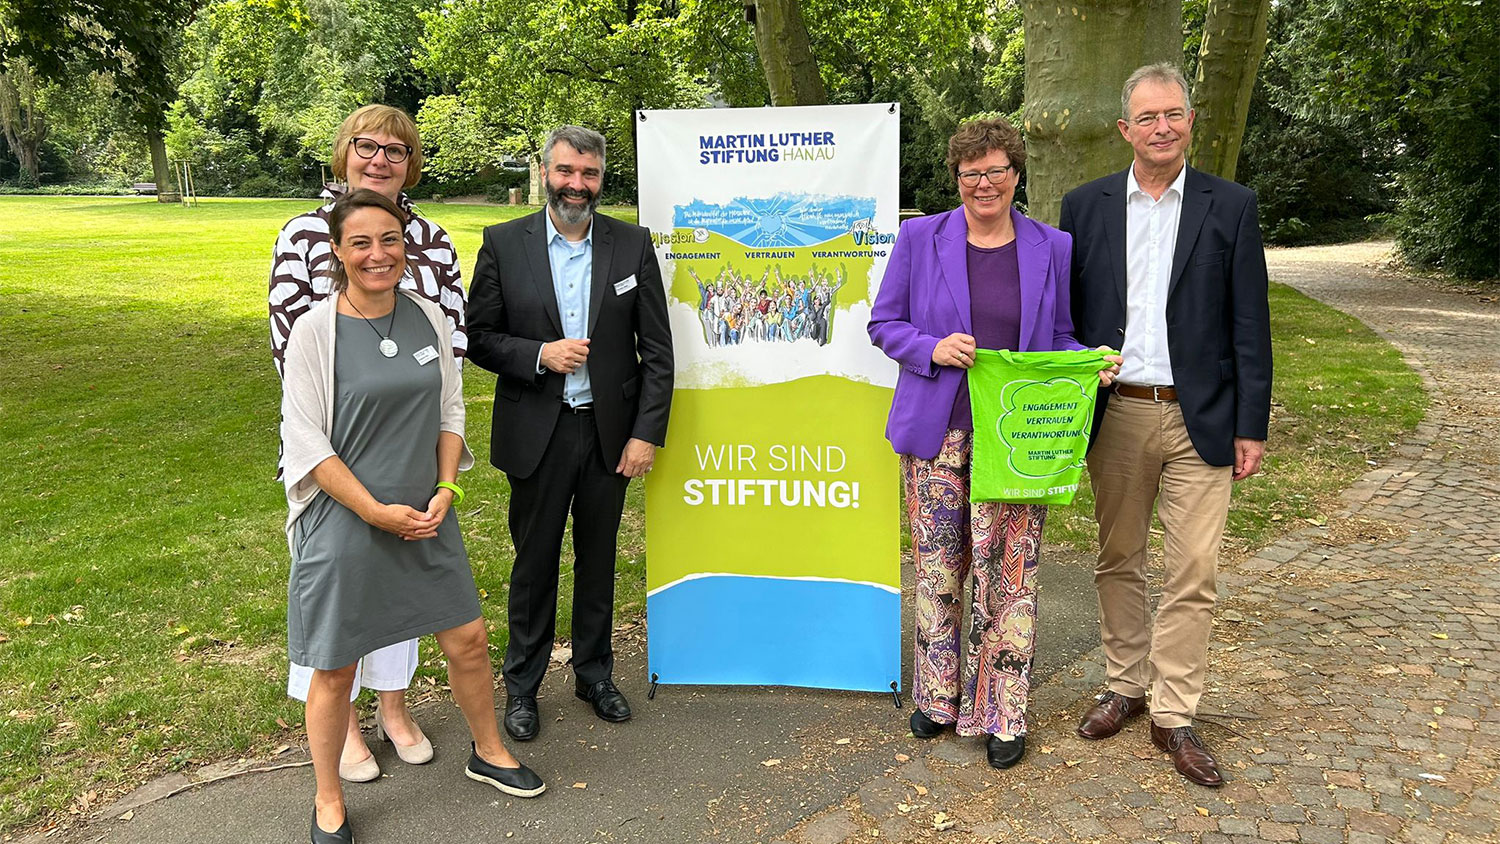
[301, 265]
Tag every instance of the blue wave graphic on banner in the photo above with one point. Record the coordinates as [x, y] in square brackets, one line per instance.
[829, 634]
[786, 219]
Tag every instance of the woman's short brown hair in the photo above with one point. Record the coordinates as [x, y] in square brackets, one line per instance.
[387, 120]
[342, 208]
[978, 138]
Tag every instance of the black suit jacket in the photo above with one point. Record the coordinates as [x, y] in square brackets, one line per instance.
[1218, 320]
[513, 311]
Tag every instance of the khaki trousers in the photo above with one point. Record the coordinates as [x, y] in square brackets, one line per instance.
[1143, 456]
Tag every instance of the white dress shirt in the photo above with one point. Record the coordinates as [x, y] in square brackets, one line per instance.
[1150, 240]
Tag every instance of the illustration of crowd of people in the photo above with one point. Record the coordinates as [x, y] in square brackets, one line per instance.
[734, 309]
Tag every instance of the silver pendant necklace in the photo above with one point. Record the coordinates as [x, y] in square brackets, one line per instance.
[388, 346]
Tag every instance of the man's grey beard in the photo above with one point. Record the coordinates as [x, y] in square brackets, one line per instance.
[571, 214]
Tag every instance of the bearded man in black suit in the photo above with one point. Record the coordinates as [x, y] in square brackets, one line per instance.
[568, 309]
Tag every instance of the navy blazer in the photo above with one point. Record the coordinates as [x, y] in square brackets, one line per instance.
[924, 297]
[1218, 320]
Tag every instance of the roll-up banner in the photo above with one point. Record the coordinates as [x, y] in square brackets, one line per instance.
[772, 515]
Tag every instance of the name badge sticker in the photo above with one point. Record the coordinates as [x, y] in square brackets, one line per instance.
[625, 285]
[425, 355]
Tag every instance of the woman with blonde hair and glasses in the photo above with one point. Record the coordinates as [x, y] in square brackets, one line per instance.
[377, 148]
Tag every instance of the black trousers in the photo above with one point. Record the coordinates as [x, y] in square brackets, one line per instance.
[571, 478]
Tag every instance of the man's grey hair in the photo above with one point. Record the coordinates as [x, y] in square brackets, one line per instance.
[1163, 73]
[586, 141]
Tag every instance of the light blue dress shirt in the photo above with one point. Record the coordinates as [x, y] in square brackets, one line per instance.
[572, 276]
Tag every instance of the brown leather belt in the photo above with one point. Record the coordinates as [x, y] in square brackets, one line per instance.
[1152, 393]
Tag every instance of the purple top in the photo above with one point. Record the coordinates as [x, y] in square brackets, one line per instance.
[924, 297]
[995, 306]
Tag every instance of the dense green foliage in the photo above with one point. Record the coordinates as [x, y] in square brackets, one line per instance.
[1363, 113]
[1319, 179]
[1417, 81]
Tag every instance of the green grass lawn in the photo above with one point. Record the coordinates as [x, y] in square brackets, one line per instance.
[143, 567]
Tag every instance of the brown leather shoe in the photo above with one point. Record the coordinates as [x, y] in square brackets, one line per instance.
[1109, 715]
[1189, 756]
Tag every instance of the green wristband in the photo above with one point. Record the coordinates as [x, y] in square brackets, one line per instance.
[458, 491]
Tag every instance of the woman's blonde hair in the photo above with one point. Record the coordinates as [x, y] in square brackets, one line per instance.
[387, 120]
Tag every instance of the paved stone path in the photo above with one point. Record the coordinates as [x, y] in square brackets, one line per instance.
[1358, 699]
[1353, 689]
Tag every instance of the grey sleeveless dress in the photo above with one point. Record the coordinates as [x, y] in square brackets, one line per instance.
[353, 587]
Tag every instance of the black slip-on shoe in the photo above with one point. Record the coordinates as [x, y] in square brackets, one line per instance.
[342, 835]
[517, 782]
[1003, 754]
[924, 727]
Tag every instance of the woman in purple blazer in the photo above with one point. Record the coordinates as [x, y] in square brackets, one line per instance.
[980, 276]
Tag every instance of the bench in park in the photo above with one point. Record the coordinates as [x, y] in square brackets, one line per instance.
[144, 188]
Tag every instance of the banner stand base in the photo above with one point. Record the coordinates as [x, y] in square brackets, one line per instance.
[656, 681]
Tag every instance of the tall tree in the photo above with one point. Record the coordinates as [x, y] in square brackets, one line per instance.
[21, 121]
[1077, 58]
[785, 49]
[519, 67]
[132, 40]
[1234, 40]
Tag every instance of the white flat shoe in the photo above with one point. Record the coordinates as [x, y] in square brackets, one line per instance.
[365, 770]
[416, 754]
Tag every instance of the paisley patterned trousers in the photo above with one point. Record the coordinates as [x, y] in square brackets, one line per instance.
[998, 543]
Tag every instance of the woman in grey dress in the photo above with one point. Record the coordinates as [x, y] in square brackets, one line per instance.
[372, 432]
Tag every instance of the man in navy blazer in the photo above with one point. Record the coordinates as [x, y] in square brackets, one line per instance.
[1167, 263]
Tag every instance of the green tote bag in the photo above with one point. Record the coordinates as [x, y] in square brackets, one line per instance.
[1032, 413]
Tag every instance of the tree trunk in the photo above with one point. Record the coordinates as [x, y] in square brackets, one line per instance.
[166, 183]
[1078, 56]
[1234, 40]
[786, 54]
[537, 195]
[24, 127]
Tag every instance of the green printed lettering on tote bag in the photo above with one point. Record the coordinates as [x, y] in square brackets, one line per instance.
[1032, 413]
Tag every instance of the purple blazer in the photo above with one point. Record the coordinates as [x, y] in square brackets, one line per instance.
[924, 297]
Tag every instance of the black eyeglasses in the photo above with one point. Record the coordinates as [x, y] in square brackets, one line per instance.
[970, 178]
[395, 152]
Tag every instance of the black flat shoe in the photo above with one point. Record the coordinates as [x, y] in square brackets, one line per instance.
[342, 835]
[1004, 754]
[517, 782]
[924, 727]
[609, 704]
[521, 718]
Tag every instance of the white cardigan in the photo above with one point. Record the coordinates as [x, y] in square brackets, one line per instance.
[307, 399]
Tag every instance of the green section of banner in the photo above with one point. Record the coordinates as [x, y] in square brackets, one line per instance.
[803, 478]
[840, 258]
[1032, 412]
